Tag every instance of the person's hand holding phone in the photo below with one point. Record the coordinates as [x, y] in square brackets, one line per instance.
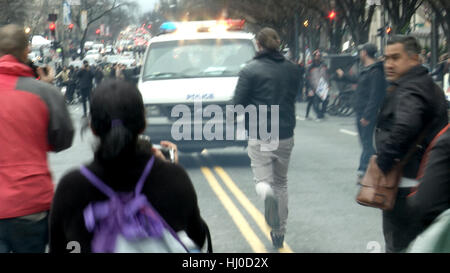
[46, 74]
[172, 148]
[166, 151]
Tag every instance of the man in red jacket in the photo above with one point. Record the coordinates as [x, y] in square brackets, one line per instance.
[34, 120]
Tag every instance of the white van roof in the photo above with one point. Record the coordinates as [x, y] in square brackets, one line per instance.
[202, 35]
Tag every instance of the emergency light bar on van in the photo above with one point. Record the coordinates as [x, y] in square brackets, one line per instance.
[203, 26]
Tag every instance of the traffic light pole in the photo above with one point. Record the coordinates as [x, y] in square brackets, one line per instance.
[434, 42]
[383, 37]
[296, 34]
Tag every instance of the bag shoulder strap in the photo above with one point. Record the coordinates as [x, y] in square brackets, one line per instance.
[100, 185]
[424, 161]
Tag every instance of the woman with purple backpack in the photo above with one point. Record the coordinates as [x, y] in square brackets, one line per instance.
[129, 194]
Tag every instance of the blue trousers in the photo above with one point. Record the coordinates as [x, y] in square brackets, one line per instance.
[23, 236]
[366, 138]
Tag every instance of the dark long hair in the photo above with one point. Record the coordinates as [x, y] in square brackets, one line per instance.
[117, 118]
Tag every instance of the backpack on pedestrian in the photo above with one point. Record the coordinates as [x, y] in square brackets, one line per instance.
[434, 239]
[128, 223]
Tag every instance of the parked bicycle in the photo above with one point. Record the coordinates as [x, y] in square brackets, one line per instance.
[342, 102]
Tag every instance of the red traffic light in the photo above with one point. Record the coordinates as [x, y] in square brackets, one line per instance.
[97, 31]
[332, 15]
[71, 26]
[388, 30]
[52, 26]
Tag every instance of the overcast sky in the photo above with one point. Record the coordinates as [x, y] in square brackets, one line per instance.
[147, 4]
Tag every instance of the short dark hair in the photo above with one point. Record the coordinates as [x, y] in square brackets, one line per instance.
[410, 43]
[117, 118]
[13, 40]
[370, 49]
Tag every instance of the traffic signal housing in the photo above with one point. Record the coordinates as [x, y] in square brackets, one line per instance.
[380, 32]
[55, 45]
[70, 27]
[52, 28]
[388, 30]
[332, 15]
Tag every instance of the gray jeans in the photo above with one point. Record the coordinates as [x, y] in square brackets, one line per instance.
[271, 167]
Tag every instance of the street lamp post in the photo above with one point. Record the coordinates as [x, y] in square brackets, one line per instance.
[434, 41]
[296, 34]
[383, 38]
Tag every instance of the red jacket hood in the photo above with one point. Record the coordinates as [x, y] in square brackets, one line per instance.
[11, 66]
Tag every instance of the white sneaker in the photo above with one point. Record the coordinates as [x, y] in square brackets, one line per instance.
[263, 189]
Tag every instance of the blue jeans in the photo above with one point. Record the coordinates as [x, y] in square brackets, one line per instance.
[366, 138]
[23, 235]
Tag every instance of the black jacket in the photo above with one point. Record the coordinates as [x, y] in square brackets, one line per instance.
[270, 79]
[370, 92]
[85, 78]
[412, 103]
[433, 194]
[168, 188]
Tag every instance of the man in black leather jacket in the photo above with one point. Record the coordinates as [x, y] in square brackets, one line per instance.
[414, 105]
[270, 80]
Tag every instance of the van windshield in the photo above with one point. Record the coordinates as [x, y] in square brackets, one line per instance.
[197, 58]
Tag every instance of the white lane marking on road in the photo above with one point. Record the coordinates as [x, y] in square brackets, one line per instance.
[348, 132]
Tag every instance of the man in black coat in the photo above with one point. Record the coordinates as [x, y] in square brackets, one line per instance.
[414, 105]
[85, 76]
[266, 81]
[369, 94]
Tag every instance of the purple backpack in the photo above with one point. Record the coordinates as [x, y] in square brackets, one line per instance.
[127, 222]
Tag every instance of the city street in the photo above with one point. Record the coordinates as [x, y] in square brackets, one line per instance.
[323, 214]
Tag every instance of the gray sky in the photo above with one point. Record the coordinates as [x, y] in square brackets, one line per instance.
[147, 5]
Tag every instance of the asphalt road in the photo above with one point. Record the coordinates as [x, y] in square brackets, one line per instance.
[323, 214]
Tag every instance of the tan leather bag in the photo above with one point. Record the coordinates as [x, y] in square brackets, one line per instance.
[377, 189]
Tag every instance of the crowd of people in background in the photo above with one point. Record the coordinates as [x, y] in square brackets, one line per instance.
[396, 108]
[80, 81]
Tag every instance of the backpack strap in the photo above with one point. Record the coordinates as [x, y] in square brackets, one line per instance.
[100, 185]
[95, 181]
[145, 173]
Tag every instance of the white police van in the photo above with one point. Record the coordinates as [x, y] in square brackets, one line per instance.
[193, 63]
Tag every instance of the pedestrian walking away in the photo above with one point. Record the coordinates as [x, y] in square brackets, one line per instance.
[34, 120]
[269, 79]
[301, 76]
[120, 160]
[317, 78]
[414, 105]
[85, 76]
[370, 93]
[71, 85]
